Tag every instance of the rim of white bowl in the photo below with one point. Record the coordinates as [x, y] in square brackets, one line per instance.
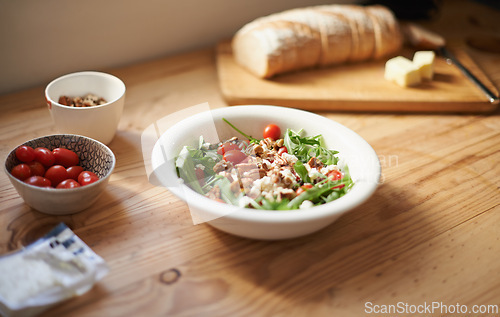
[94, 73]
[358, 194]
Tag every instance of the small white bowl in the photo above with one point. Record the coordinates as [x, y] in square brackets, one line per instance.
[94, 156]
[97, 122]
[363, 163]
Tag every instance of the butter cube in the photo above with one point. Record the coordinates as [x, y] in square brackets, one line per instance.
[424, 60]
[402, 71]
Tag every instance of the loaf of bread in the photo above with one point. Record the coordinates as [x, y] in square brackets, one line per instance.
[316, 36]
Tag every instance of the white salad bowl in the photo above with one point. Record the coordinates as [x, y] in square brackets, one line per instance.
[354, 151]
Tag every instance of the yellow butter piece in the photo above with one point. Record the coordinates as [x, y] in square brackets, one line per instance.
[402, 71]
[424, 60]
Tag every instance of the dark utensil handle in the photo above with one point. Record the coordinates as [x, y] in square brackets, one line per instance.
[451, 59]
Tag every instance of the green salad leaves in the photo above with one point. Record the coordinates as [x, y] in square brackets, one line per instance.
[195, 165]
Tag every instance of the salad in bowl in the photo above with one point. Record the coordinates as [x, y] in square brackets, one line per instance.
[264, 172]
[275, 172]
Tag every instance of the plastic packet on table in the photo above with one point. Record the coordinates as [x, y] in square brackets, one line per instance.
[52, 269]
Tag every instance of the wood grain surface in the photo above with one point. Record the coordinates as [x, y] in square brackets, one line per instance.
[429, 234]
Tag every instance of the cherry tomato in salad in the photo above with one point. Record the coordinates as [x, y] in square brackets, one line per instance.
[87, 177]
[37, 168]
[272, 131]
[65, 157]
[334, 175]
[234, 156]
[25, 153]
[74, 171]
[282, 150]
[44, 156]
[303, 188]
[68, 183]
[38, 181]
[21, 171]
[56, 174]
[226, 147]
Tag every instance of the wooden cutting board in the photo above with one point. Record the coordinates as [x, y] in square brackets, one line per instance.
[355, 87]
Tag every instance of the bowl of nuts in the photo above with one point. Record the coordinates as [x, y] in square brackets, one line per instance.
[86, 103]
[60, 174]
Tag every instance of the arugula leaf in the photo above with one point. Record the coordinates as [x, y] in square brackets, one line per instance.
[301, 170]
[185, 168]
[306, 147]
[312, 194]
[250, 138]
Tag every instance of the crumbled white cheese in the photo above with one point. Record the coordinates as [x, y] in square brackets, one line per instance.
[290, 158]
[245, 201]
[314, 173]
[306, 204]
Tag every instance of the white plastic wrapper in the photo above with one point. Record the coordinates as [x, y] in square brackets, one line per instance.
[52, 269]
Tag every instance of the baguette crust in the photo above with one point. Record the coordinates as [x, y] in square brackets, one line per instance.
[316, 36]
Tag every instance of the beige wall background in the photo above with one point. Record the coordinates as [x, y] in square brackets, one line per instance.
[43, 39]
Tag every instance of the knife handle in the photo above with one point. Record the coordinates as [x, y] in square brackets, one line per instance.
[450, 59]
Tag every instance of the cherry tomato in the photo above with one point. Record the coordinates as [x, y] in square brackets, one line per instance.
[234, 156]
[37, 168]
[74, 171]
[65, 157]
[38, 181]
[87, 177]
[226, 147]
[68, 183]
[25, 153]
[56, 174]
[44, 156]
[303, 188]
[282, 150]
[21, 171]
[335, 175]
[272, 131]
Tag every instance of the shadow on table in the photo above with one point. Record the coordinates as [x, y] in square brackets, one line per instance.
[381, 229]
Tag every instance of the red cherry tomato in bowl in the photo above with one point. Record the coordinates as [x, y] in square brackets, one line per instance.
[37, 168]
[56, 174]
[44, 156]
[74, 171]
[68, 183]
[272, 131]
[21, 171]
[65, 157]
[38, 181]
[234, 156]
[87, 177]
[25, 153]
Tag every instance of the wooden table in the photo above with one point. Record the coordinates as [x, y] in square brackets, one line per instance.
[430, 234]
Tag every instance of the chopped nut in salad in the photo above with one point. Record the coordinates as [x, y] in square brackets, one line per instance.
[273, 173]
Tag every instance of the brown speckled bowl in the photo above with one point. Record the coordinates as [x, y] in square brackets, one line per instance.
[94, 156]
